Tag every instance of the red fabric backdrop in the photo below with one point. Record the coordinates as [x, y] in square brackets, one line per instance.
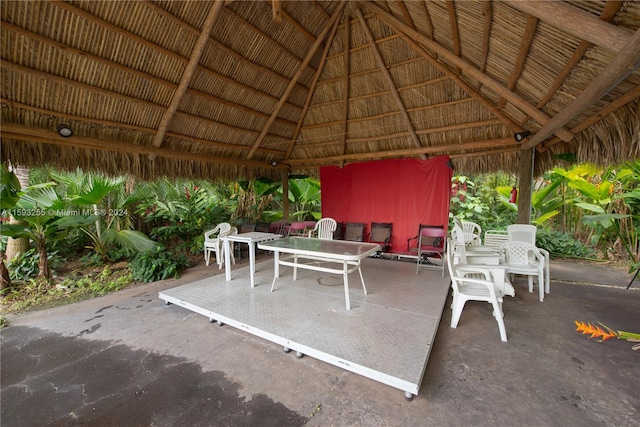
[406, 192]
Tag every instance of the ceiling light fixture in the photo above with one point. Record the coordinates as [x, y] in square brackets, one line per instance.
[274, 163]
[521, 136]
[64, 131]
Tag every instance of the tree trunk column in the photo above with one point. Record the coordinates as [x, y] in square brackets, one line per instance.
[525, 177]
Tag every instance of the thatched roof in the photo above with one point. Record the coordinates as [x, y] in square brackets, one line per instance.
[225, 90]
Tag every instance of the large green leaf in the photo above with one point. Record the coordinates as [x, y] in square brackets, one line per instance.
[590, 207]
[135, 240]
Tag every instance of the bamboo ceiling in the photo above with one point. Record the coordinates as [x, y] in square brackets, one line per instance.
[240, 89]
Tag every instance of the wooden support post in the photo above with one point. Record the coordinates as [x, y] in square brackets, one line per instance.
[285, 194]
[525, 178]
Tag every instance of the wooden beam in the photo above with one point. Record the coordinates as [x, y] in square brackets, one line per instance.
[295, 78]
[363, 139]
[151, 131]
[345, 88]
[409, 152]
[462, 84]
[525, 44]
[152, 78]
[626, 62]
[611, 7]
[312, 89]
[277, 11]
[214, 43]
[187, 76]
[298, 26]
[405, 13]
[468, 68]
[387, 77]
[46, 136]
[576, 22]
[455, 33]
[594, 118]
[525, 177]
[486, 33]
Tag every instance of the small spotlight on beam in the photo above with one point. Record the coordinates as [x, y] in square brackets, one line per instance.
[521, 136]
[64, 131]
[274, 163]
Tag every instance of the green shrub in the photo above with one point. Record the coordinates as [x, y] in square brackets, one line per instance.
[562, 244]
[25, 266]
[158, 265]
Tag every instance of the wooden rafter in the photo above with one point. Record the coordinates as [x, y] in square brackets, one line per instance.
[594, 118]
[312, 89]
[525, 44]
[576, 22]
[295, 78]
[405, 13]
[455, 33]
[428, 23]
[487, 13]
[46, 136]
[150, 131]
[462, 84]
[345, 88]
[404, 134]
[157, 80]
[408, 152]
[466, 67]
[214, 43]
[277, 11]
[610, 9]
[387, 76]
[296, 24]
[626, 62]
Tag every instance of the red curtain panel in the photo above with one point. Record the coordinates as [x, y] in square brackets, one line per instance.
[406, 192]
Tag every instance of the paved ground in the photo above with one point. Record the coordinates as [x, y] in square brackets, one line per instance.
[127, 359]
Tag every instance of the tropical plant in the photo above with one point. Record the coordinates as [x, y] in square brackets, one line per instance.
[159, 264]
[181, 212]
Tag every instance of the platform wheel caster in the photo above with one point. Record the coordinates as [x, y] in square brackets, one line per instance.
[212, 320]
[167, 303]
[299, 355]
[220, 323]
[408, 396]
[286, 349]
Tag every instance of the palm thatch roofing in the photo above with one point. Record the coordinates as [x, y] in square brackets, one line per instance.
[227, 90]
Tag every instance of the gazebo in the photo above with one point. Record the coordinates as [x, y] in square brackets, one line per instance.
[227, 90]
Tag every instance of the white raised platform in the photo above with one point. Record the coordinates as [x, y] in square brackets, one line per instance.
[386, 336]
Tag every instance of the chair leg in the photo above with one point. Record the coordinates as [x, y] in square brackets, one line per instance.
[458, 306]
[418, 263]
[499, 318]
[541, 285]
[530, 281]
[206, 256]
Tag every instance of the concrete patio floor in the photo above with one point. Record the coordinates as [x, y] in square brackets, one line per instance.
[127, 359]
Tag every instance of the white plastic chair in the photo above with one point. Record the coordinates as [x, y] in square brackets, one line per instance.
[527, 233]
[524, 258]
[324, 229]
[474, 289]
[214, 244]
[472, 233]
[495, 238]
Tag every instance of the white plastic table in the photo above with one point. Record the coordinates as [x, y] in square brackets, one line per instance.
[251, 239]
[348, 254]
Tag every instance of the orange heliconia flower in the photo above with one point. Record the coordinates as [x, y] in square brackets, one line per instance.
[595, 331]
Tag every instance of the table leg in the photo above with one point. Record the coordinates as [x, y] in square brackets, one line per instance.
[227, 260]
[295, 267]
[276, 268]
[252, 264]
[364, 288]
[345, 269]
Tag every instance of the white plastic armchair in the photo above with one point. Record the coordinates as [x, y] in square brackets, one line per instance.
[212, 242]
[324, 229]
[524, 258]
[480, 287]
[527, 233]
[472, 233]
